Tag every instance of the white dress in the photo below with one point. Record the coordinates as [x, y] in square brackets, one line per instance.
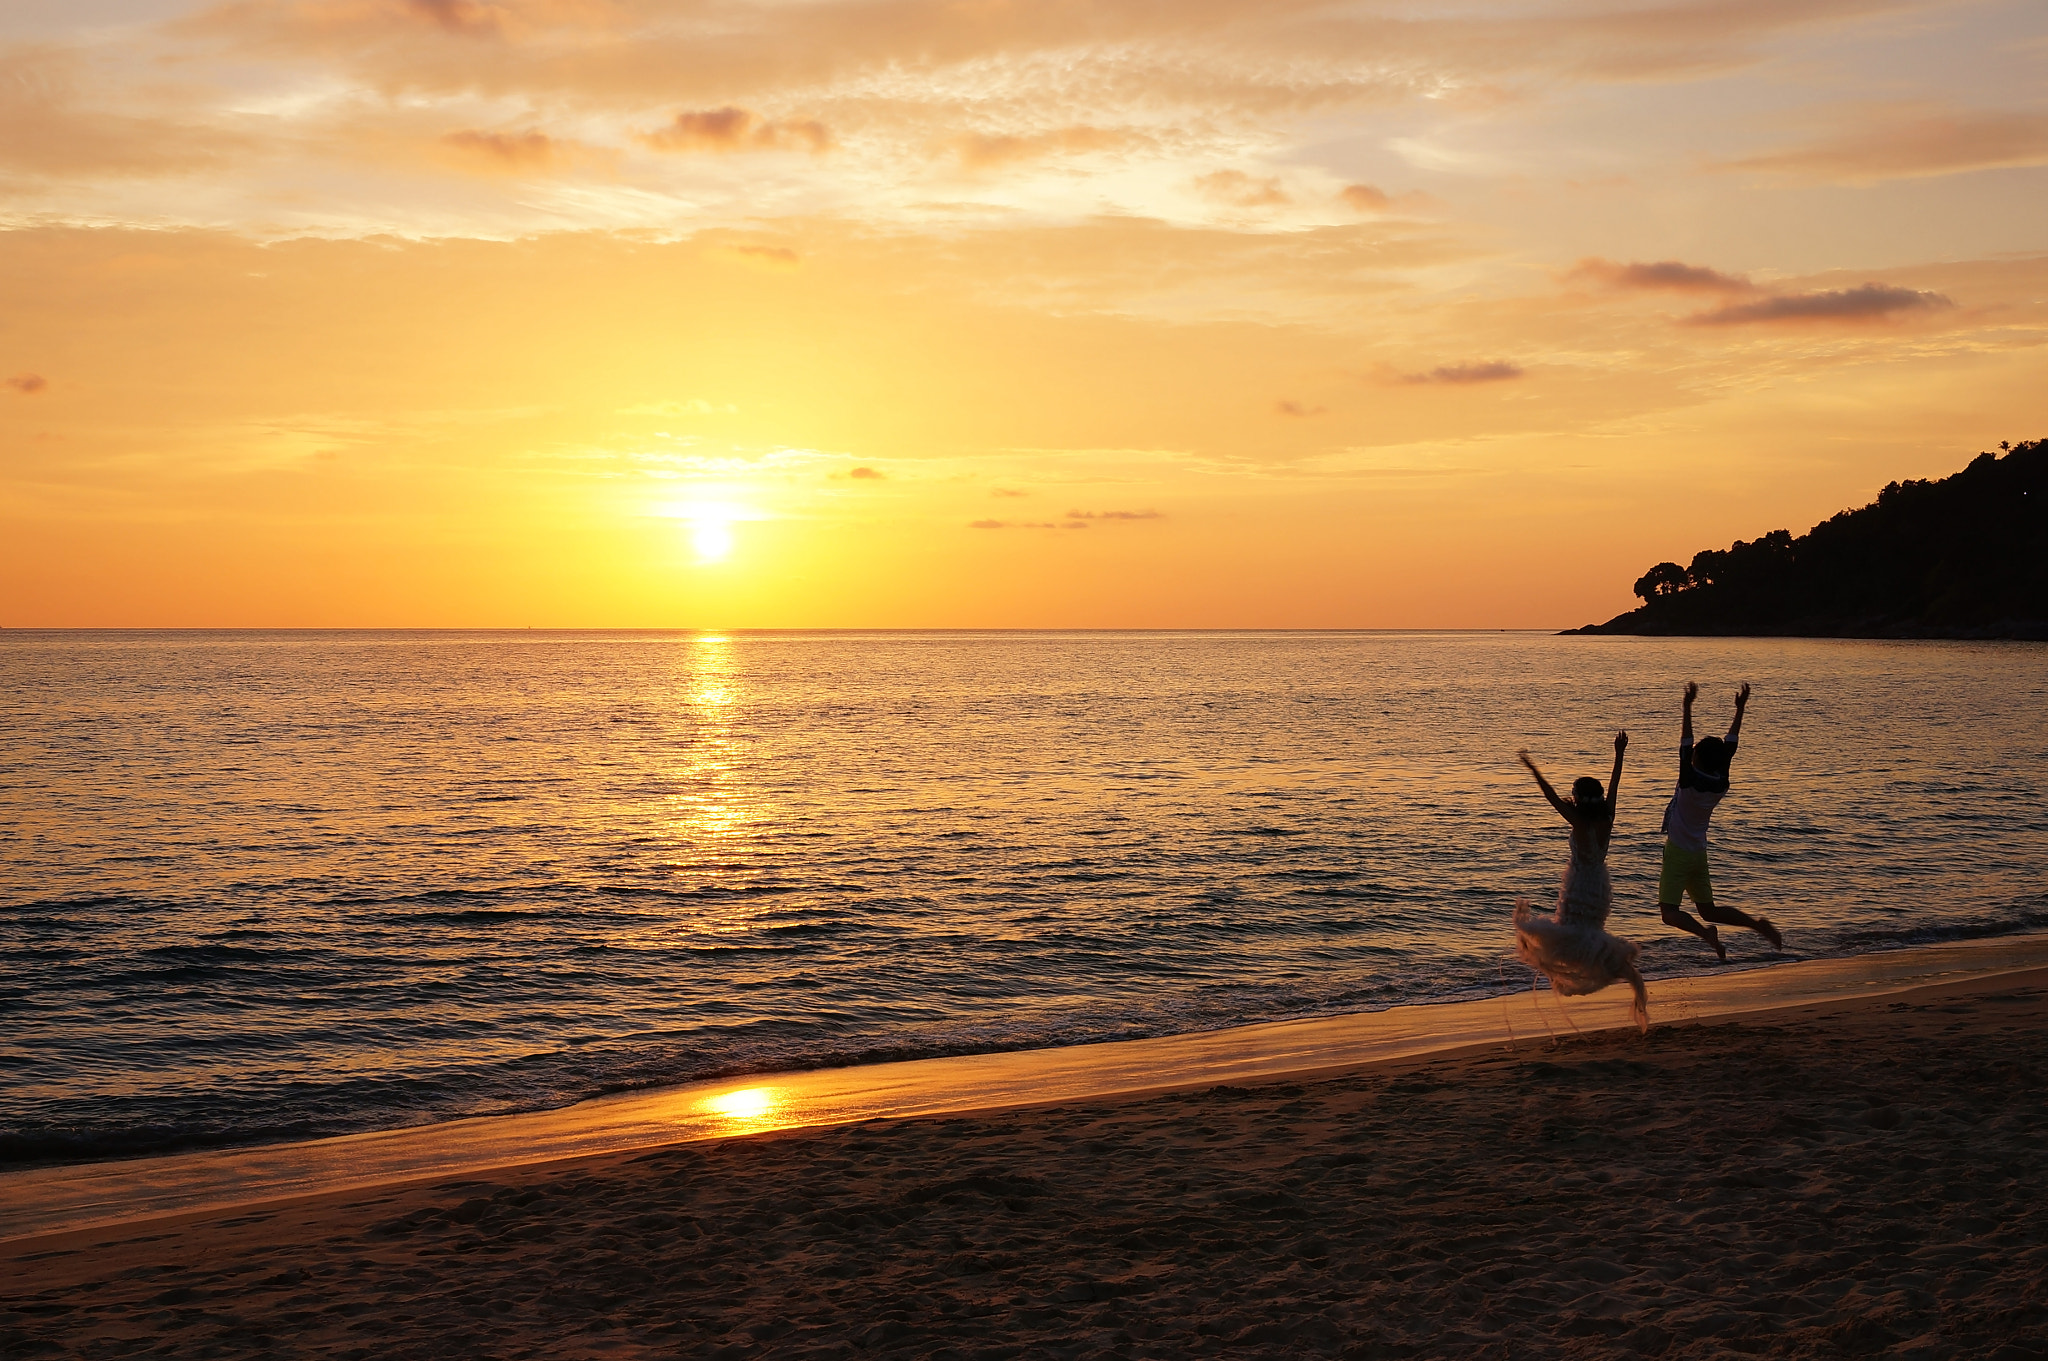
[1573, 948]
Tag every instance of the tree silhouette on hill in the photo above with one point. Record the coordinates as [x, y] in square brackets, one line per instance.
[1962, 557]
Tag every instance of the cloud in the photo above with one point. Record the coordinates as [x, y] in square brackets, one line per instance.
[1913, 142]
[781, 256]
[58, 119]
[1668, 275]
[865, 474]
[1869, 302]
[1006, 493]
[471, 18]
[1114, 515]
[513, 149]
[689, 406]
[983, 151]
[28, 384]
[735, 129]
[1288, 407]
[1240, 190]
[1019, 524]
[1492, 371]
[1365, 198]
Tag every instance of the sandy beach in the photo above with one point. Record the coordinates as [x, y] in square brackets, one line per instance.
[1852, 1179]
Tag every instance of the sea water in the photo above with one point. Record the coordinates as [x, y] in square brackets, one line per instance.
[277, 885]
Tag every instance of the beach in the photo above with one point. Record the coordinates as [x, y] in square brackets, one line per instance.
[1854, 1178]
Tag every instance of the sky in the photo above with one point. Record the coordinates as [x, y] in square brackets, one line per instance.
[988, 313]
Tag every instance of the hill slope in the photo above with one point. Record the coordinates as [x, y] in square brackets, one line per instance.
[1962, 557]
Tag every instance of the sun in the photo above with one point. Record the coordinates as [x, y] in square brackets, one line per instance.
[712, 539]
[710, 525]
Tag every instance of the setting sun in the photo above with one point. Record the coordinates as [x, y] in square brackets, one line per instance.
[712, 539]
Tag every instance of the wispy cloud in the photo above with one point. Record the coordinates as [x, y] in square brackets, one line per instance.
[866, 474]
[1240, 190]
[471, 18]
[28, 384]
[1289, 407]
[781, 256]
[688, 406]
[520, 150]
[732, 129]
[1869, 302]
[1667, 275]
[1365, 198]
[1114, 515]
[1911, 143]
[983, 151]
[1021, 524]
[1490, 371]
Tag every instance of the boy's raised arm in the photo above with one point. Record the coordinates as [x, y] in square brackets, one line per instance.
[1692, 692]
[1741, 703]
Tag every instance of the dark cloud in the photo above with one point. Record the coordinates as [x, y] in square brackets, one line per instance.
[1114, 515]
[736, 129]
[1869, 302]
[1492, 371]
[28, 384]
[1240, 190]
[865, 474]
[509, 148]
[1288, 407]
[1669, 275]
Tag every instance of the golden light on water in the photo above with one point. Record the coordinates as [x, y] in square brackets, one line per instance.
[748, 1103]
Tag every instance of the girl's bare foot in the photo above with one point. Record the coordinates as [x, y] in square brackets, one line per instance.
[1714, 939]
[1770, 933]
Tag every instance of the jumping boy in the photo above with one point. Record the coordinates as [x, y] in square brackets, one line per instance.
[1702, 780]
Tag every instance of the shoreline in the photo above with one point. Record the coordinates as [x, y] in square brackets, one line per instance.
[1851, 1176]
[82, 1196]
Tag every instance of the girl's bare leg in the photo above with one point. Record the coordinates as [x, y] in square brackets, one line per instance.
[1640, 1012]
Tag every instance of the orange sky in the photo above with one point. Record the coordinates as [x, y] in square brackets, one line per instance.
[903, 313]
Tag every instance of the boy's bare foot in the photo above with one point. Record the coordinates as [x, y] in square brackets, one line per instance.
[1770, 933]
[1714, 939]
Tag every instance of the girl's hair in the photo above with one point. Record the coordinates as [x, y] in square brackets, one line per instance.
[1586, 789]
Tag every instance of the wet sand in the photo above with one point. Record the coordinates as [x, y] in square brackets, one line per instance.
[1852, 1179]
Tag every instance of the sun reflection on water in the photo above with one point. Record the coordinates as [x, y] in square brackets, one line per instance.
[746, 1104]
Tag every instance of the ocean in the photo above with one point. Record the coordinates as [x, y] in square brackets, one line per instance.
[259, 886]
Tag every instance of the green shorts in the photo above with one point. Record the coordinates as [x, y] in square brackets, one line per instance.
[1684, 872]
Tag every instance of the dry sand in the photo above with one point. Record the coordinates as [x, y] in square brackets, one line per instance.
[1849, 1180]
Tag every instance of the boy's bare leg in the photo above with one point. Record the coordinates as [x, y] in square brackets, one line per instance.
[1674, 915]
[1728, 916]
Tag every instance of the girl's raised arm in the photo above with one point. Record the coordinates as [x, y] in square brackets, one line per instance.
[1614, 780]
[1564, 810]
